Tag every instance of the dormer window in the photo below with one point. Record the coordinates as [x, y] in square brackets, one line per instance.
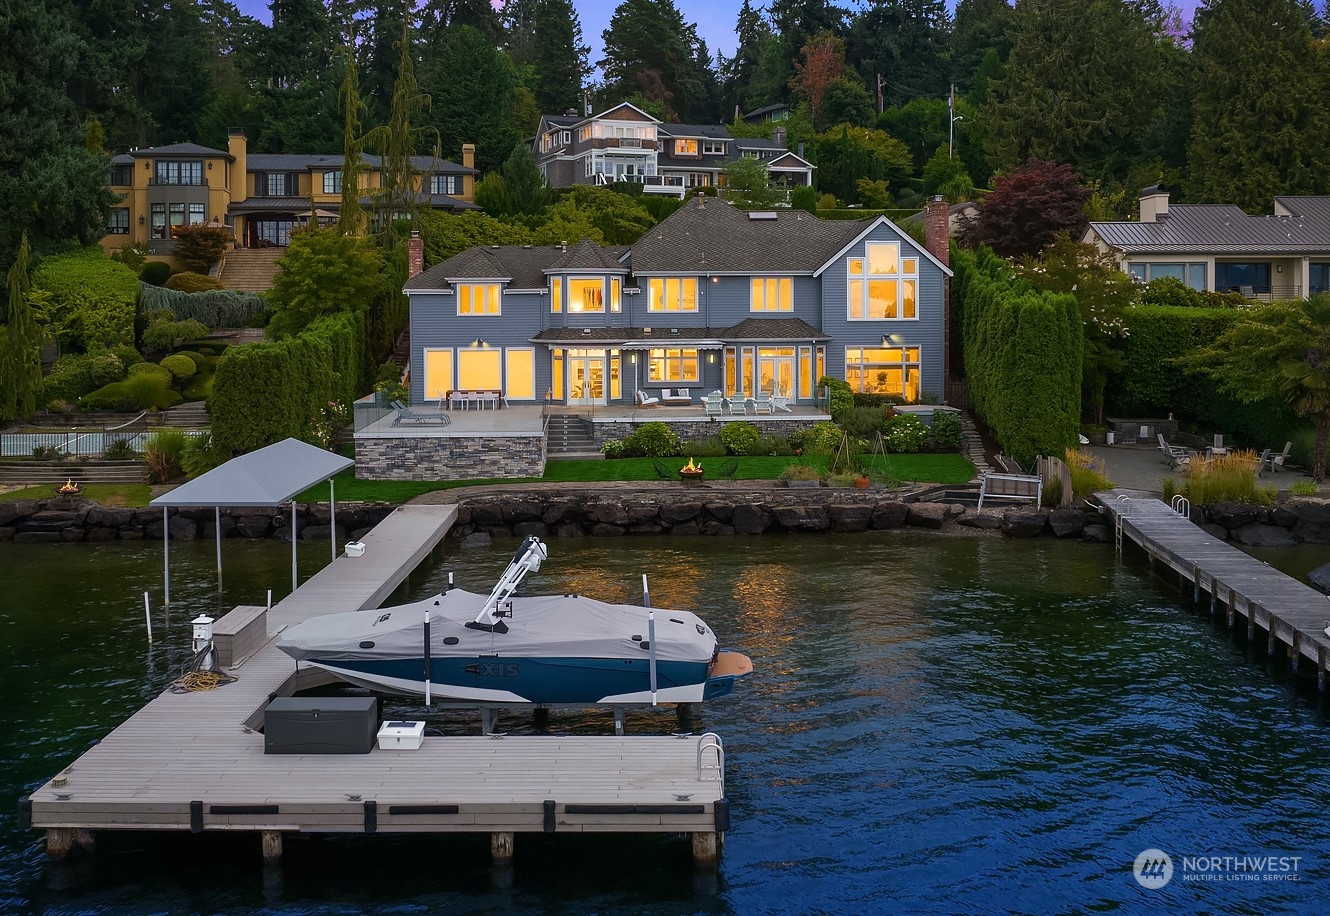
[586, 294]
[713, 148]
[684, 147]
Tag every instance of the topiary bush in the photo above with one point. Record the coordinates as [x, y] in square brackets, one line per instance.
[160, 373]
[739, 438]
[128, 355]
[155, 273]
[75, 375]
[189, 282]
[180, 366]
[162, 334]
[905, 433]
[653, 440]
[946, 429]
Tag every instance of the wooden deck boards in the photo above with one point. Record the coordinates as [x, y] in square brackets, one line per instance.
[1247, 587]
[195, 747]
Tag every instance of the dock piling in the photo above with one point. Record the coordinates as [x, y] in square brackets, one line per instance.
[501, 847]
[706, 850]
[59, 841]
[272, 847]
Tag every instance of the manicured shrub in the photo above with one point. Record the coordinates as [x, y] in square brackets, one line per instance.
[773, 445]
[200, 246]
[739, 438]
[653, 440]
[223, 308]
[75, 375]
[905, 433]
[161, 373]
[842, 398]
[162, 334]
[180, 366]
[127, 354]
[823, 439]
[710, 447]
[946, 429]
[864, 422]
[874, 399]
[155, 273]
[189, 282]
[88, 299]
[614, 448]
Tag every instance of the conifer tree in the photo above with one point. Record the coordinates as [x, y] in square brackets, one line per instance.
[753, 33]
[353, 166]
[20, 361]
[559, 56]
[1259, 113]
[398, 197]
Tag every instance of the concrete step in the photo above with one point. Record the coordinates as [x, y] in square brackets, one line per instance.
[36, 473]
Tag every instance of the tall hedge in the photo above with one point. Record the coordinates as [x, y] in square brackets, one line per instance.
[1151, 384]
[264, 393]
[1022, 352]
[89, 298]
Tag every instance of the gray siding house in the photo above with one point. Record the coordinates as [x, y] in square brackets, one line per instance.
[712, 298]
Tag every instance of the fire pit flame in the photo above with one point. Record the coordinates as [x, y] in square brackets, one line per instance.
[69, 487]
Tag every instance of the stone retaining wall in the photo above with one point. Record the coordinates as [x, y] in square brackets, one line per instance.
[1299, 520]
[450, 457]
[695, 430]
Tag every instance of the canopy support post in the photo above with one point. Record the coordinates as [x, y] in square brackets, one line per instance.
[293, 546]
[332, 505]
[217, 526]
[166, 556]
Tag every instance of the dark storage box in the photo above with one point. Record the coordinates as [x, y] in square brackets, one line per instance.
[320, 725]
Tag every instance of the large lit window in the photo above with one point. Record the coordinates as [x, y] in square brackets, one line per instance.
[438, 374]
[521, 382]
[884, 370]
[556, 294]
[772, 294]
[586, 294]
[332, 182]
[685, 147]
[479, 369]
[674, 365]
[616, 294]
[478, 299]
[673, 294]
[882, 284]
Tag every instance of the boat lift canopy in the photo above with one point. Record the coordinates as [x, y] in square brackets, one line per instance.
[268, 477]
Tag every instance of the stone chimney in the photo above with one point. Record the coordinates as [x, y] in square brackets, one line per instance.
[468, 181]
[238, 168]
[1154, 203]
[415, 255]
[937, 236]
[778, 136]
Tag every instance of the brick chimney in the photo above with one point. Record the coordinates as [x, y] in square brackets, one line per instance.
[937, 236]
[778, 136]
[415, 255]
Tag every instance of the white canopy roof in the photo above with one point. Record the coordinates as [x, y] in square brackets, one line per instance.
[269, 476]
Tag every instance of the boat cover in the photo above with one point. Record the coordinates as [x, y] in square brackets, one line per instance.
[557, 626]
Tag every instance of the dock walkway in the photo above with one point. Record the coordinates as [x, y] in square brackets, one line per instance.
[1294, 616]
[195, 760]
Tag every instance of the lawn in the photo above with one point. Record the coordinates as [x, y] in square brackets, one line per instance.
[132, 495]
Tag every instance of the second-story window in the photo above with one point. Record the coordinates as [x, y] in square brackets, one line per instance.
[673, 294]
[586, 294]
[170, 172]
[118, 221]
[445, 184]
[772, 294]
[478, 299]
[332, 182]
[714, 147]
[882, 284]
[122, 176]
[685, 147]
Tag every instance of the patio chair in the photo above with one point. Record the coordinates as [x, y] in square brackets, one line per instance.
[663, 470]
[762, 403]
[727, 468]
[1174, 455]
[404, 413]
[1276, 460]
[780, 400]
[738, 405]
[645, 400]
[714, 405]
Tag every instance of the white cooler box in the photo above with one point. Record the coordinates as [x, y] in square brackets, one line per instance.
[401, 736]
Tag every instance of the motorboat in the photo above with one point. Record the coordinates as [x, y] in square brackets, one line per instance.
[502, 648]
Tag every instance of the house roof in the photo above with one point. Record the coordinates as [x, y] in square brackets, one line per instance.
[702, 131]
[711, 236]
[791, 329]
[766, 109]
[522, 265]
[1225, 229]
[270, 205]
[264, 162]
[177, 149]
[587, 255]
[433, 201]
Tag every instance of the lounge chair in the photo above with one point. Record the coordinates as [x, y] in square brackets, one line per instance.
[404, 413]
[762, 403]
[677, 397]
[727, 468]
[781, 401]
[645, 400]
[714, 405]
[738, 405]
[1174, 455]
[1275, 460]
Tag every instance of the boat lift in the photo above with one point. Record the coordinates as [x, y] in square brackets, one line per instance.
[530, 554]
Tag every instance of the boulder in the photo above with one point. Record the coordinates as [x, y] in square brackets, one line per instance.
[1263, 536]
[15, 511]
[607, 513]
[721, 511]
[531, 528]
[252, 526]
[522, 509]
[926, 515]
[109, 516]
[749, 518]
[987, 519]
[800, 518]
[37, 537]
[889, 515]
[486, 513]
[1313, 524]
[717, 528]
[1215, 531]
[1283, 516]
[568, 530]
[101, 534]
[1233, 515]
[1024, 522]
[560, 510]
[673, 513]
[72, 535]
[478, 539]
[1066, 523]
[686, 529]
[854, 517]
[1098, 534]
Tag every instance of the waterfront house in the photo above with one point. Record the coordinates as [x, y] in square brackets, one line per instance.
[1221, 248]
[712, 298]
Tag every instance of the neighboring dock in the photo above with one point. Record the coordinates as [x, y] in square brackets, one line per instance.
[1294, 616]
[195, 760]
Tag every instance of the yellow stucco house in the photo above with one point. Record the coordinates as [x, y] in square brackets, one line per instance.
[260, 197]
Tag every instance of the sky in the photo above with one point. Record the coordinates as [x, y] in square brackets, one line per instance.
[715, 19]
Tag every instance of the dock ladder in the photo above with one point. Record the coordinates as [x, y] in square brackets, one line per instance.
[711, 759]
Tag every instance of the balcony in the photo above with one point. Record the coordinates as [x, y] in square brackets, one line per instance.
[177, 182]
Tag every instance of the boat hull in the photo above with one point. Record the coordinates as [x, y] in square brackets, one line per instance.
[543, 681]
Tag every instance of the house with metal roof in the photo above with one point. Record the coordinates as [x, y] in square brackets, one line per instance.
[625, 143]
[711, 298]
[1221, 248]
[261, 197]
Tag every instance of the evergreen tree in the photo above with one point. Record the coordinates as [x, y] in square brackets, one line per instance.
[440, 16]
[523, 183]
[738, 72]
[979, 26]
[903, 41]
[1082, 79]
[297, 102]
[20, 338]
[1260, 121]
[518, 18]
[559, 56]
[381, 56]
[649, 49]
[353, 142]
[398, 196]
[795, 22]
[472, 87]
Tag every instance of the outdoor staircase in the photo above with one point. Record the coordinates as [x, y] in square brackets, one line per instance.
[189, 415]
[250, 270]
[570, 437]
[36, 473]
[972, 444]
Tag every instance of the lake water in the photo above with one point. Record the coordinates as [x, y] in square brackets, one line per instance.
[936, 724]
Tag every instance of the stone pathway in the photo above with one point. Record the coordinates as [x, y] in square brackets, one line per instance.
[973, 444]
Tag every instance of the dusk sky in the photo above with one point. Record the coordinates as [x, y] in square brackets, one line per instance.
[715, 19]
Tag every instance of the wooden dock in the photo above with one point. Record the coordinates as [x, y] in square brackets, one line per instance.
[1293, 616]
[195, 760]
